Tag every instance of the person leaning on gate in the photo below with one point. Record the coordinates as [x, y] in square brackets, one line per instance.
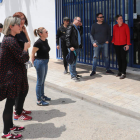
[74, 43]
[121, 41]
[61, 34]
[100, 36]
[1, 26]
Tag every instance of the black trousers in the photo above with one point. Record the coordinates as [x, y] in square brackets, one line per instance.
[121, 58]
[20, 99]
[8, 115]
[64, 53]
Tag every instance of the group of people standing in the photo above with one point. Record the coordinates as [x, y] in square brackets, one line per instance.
[14, 61]
[71, 40]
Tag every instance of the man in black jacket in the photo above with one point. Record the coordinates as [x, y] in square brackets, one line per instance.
[74, 43]
[61, 34]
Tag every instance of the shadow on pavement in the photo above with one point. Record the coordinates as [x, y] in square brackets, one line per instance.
[61, 101]
[42, 116]
[39, 130]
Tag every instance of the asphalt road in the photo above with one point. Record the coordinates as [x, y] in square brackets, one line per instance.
[69, 118]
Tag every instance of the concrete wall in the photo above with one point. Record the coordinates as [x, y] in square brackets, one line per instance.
[40, 13]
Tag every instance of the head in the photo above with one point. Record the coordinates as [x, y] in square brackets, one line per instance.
[23, 18]
[11, 26]
[77, 21]
[66, 21]
[119, 19]
[1, 26]
[41, 32]
[100, 17]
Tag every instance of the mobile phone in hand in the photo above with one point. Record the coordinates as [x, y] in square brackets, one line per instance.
[124, 48]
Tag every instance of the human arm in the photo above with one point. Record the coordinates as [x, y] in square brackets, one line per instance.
[113, 37]
[58, 35]
[108, 34]
[26, 33]
[68, 36]
[34, 50]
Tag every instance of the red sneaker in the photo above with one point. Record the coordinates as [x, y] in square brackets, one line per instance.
[17, 129]
[10, 136]
[22, 117]
[24, 112]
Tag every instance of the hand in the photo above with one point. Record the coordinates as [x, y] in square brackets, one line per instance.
[95, 45]
[127, 47]
[80, 24]
[58, 47]
[72, 49]
[24, 29]
[26, 46]
[106, 42]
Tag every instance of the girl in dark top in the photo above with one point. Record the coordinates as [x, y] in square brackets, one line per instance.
[41, 47]
[12, 74]
[22, 37]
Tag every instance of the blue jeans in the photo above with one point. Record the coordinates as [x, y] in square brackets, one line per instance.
[72, 67]
[104, 49]
[41, 66]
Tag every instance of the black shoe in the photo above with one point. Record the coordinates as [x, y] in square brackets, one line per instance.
[79, 76]
[110, 72]
[92, 73]
[119, 74]
[123, 76]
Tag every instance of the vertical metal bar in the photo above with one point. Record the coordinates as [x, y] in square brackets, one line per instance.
[105, 10]
[123, 6]
[101, 6]
[131, 22]
[119, 7]
[84, 31]
[91, 9]
[112, 30]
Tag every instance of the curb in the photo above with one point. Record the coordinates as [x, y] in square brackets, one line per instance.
[93, 100]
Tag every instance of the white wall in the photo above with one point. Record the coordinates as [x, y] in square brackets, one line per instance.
[40, 13]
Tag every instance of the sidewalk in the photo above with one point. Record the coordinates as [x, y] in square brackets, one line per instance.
[102, 89]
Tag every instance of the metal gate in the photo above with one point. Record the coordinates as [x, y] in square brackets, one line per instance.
[87, 10]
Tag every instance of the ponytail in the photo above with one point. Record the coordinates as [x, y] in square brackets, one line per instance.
[35, 32]
[38, 31]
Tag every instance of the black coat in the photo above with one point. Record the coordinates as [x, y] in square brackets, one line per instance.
[72, 36]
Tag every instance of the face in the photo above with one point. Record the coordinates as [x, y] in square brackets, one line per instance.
[0, 30]
[44, 33]
[120, 20]
[15, 29]
[66, 22]
[77, 21]
[22, 21]
[100, 18]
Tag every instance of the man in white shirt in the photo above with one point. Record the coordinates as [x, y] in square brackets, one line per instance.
[1, 35]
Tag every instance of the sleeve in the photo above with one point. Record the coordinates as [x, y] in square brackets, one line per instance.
[92, 34]
[128, 35]
[113, 38]
[68, 34]
[58, 35]
[37, 44]
[19, 54]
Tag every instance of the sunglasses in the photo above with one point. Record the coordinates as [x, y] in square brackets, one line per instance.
[101, 17]
[78, 20]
